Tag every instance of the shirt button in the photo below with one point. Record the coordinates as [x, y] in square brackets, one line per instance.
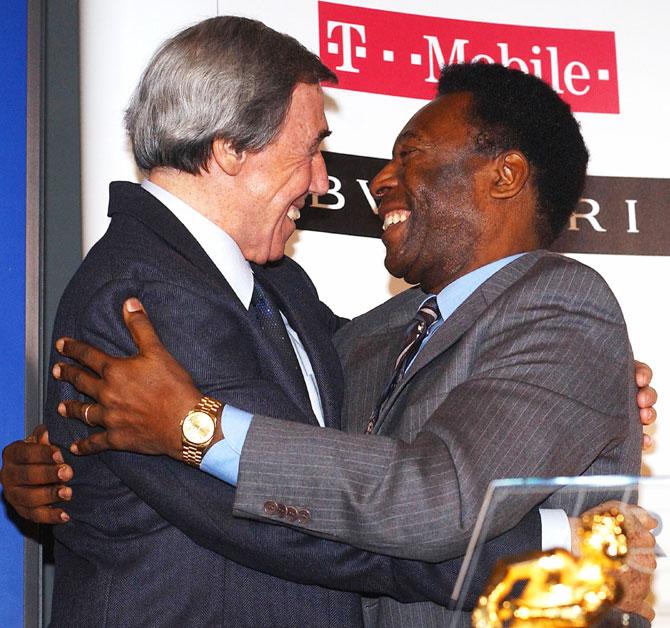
[281, 511]
[292, 513]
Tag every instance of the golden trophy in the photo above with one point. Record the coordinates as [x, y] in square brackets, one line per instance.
[560, 589]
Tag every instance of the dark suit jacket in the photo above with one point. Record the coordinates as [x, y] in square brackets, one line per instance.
[152, 541]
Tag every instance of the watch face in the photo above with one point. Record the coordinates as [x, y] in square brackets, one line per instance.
[198, 428]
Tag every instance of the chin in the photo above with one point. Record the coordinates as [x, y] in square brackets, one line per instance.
[394, 269]
[275, 254]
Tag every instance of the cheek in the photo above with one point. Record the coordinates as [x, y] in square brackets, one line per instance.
[301, 180]
[293, 190]
[446, 196]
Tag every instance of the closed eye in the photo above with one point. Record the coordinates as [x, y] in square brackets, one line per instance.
[406, 152]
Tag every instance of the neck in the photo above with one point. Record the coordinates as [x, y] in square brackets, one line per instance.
[486, 253]
[192, 189]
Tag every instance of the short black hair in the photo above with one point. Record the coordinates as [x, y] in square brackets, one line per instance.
[514, 110]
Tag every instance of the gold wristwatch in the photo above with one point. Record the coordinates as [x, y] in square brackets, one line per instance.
[197, 430]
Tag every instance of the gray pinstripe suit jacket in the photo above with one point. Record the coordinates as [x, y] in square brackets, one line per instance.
[531, 376]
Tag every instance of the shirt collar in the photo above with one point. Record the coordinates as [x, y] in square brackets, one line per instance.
[218, 245]
[451, 296]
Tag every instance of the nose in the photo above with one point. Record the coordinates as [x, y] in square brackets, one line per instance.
[319, 183]
[383, 181]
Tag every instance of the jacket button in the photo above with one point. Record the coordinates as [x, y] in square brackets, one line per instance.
[270, 507]
[281, 510]
[292, 513]
[304, 516]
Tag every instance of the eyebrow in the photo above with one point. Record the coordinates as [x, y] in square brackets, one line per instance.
[320, 137]
[408, 135]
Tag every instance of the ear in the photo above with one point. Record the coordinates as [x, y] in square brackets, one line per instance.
[511, 172]
[227, 157]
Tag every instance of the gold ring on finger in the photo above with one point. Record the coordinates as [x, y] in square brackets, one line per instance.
[86, 409]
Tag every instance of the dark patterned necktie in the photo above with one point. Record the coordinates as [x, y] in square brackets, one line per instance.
[416, 333]
[273, 327]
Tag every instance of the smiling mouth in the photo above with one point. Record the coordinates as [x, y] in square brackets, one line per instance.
[395, 217]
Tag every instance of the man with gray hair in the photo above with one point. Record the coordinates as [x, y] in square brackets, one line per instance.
[226, 121]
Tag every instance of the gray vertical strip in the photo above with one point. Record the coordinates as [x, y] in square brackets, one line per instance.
[33, 390]
[61, 197]
[61, 163]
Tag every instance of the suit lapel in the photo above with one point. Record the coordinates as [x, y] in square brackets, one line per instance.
[447, 334]
[442, 340]
[325, 364]
[291, 303]
[368, 376]
[461, 320]
[368, 351]
[132, 199]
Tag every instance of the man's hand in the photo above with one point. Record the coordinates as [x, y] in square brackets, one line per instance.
[646, 398]
[32, 476]
[636, 577]
[142, 398]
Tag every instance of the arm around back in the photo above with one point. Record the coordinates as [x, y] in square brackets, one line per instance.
[530, 377]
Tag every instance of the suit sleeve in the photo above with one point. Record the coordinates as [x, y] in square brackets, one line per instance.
[547, 395]
[200, 505]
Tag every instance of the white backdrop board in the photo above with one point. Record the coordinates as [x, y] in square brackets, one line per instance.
[608, 57]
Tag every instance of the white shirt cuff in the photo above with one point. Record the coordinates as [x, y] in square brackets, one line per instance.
[556, 531]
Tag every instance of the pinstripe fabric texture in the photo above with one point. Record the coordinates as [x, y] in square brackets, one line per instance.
[416, 333]
[531, 376]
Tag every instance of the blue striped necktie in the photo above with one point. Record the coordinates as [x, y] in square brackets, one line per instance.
[416, 333]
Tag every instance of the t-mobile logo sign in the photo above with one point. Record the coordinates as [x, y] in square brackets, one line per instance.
[400, 54]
